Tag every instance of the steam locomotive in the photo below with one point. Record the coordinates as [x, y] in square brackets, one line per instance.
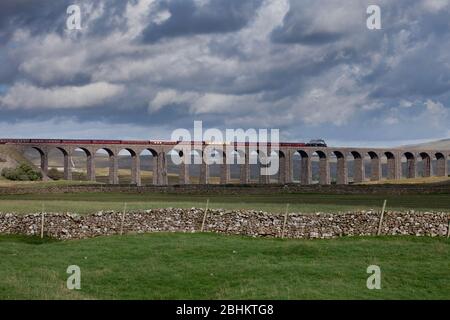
[316, 143]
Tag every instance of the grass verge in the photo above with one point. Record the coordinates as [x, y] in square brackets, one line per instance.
[210, 266]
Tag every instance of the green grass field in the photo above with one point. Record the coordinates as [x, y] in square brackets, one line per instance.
[299, 202]
[210, 266]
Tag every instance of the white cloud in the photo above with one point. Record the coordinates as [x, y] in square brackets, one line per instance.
[26, 96]
[320, 106]
[223, 103]
[336, 102]
[435, 5]
[405, 103]
[168, 97]
[200, 103]
[50, 68]
[436, 108]
[136, 15]
[162, 16]
[390, 120]
[68, 128]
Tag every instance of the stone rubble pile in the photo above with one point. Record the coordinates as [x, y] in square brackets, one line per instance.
[239, 222]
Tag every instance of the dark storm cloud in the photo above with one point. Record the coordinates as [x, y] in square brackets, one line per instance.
[310, 68]
[311, 38]
[8, 68]
[38, 17]
[422, 72]
[47, 16]
[418, 75]
[189, 18]
[306, 22]
[297, 28]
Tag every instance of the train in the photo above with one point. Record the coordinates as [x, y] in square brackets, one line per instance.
[312, 143]
[316, 143]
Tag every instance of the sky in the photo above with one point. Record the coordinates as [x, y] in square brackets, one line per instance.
[310, 68]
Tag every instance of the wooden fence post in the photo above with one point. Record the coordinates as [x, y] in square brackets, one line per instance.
[285, 219]
[42, 222]
[204, 215]
[123, 218]
[381, 218]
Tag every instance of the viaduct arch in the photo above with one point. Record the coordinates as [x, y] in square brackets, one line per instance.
[397, 162]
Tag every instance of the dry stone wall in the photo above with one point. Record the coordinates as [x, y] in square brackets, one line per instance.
[238, 222]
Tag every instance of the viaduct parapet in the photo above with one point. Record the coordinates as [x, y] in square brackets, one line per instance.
[399, 162]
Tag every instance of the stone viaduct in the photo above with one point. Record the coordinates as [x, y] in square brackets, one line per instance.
[399, 162]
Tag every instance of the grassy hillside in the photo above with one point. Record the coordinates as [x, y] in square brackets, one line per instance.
[209, 266]
[439, 144]
[15, 156]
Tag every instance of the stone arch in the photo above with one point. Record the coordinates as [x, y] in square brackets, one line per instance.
[238, 157]
[128, 159]
[320, 164]
[253, 165]
[296, 164]
[148, 166]
[375, 166]
[305, 167]
[38, 157]
[282, 176]
[85, 160]
[391, 166]
[424, 168]
[105, 158]
[357, 170]
[441, 164]
[62, 168]
[39, 150]
[210, 157]
[196, 164]
[216, 165]
[173, 168]
[409, 169]
[63, 151]
[274, 168]
[204, 175]
[181, 159]
[341, 167]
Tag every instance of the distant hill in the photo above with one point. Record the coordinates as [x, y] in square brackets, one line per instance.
[439, 144]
